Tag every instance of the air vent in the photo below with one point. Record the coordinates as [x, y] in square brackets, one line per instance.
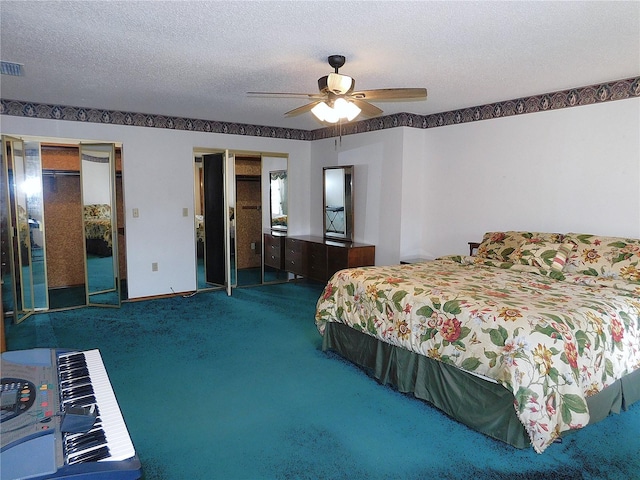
[10, 68]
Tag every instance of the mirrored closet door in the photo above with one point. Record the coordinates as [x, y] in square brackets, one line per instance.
[213, 221]
[99, 215]
[24, 274]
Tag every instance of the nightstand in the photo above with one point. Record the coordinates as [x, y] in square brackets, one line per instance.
[473, 246]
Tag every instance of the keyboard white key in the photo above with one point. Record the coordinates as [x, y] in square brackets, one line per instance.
[110, 417]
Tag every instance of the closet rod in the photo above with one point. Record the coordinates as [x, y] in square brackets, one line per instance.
[60, 172]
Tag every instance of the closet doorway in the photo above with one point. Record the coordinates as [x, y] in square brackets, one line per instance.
[234, 232]
[53, 256]
[248, 220]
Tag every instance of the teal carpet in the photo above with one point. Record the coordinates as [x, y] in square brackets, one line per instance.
[217, 387]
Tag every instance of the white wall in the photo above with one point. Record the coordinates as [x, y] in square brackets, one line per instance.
[414, 193]
[574, 169]
[158, 181]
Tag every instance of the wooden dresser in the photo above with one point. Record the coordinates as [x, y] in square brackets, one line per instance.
[317, 258]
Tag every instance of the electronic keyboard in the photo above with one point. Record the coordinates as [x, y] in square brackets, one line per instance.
[59, 418]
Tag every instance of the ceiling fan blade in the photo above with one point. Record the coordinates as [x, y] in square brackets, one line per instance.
[285, 95]
[391, 94]
[303, 109]
[367, 109]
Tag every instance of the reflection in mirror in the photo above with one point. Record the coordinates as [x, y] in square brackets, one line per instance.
[99, 216]
[6, 264]
[32, 188]
[24, 191]
[278, 197]
[201, 282]
[25, 298]
[275, 217]
[338, 202]
[65, 249]
[229, 201]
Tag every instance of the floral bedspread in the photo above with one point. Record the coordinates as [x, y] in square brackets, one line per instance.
[97, 222]
[99, 229]
[551, 342]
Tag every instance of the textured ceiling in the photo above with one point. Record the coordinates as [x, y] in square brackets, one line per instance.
[198, 59]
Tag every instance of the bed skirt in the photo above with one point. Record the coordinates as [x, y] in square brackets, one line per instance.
[480, 404]
[99, 247]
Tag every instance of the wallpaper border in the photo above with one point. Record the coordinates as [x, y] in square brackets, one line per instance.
[574, 97]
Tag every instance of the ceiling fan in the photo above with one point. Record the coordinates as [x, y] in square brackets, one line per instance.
[338, 100]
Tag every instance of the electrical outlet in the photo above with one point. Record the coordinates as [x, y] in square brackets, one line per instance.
[154, 267]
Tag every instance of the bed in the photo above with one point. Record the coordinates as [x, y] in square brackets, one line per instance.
[279, 222]
[98, 230]
[536, 335]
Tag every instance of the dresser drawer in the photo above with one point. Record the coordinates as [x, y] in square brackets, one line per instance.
[294, 256]
[317, 261]
[319, 258]
[273, 260]
[273, 242]
[273, 251]
[340, 258]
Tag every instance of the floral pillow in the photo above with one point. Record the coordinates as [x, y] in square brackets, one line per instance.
[503, 246]
[537, 254]
[545, 254]
[475, 260]
[599, 256]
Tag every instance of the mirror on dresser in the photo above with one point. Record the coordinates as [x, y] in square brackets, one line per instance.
[337, 200]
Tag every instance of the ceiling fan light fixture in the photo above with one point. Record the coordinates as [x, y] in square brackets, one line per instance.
[342, 109]
[346, 109]
[339, 84]
[322, 111]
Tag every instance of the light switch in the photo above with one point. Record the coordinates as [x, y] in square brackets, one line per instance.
[185, 212]
[136, 214]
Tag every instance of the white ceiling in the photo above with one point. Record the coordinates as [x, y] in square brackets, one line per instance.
[198, 59]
